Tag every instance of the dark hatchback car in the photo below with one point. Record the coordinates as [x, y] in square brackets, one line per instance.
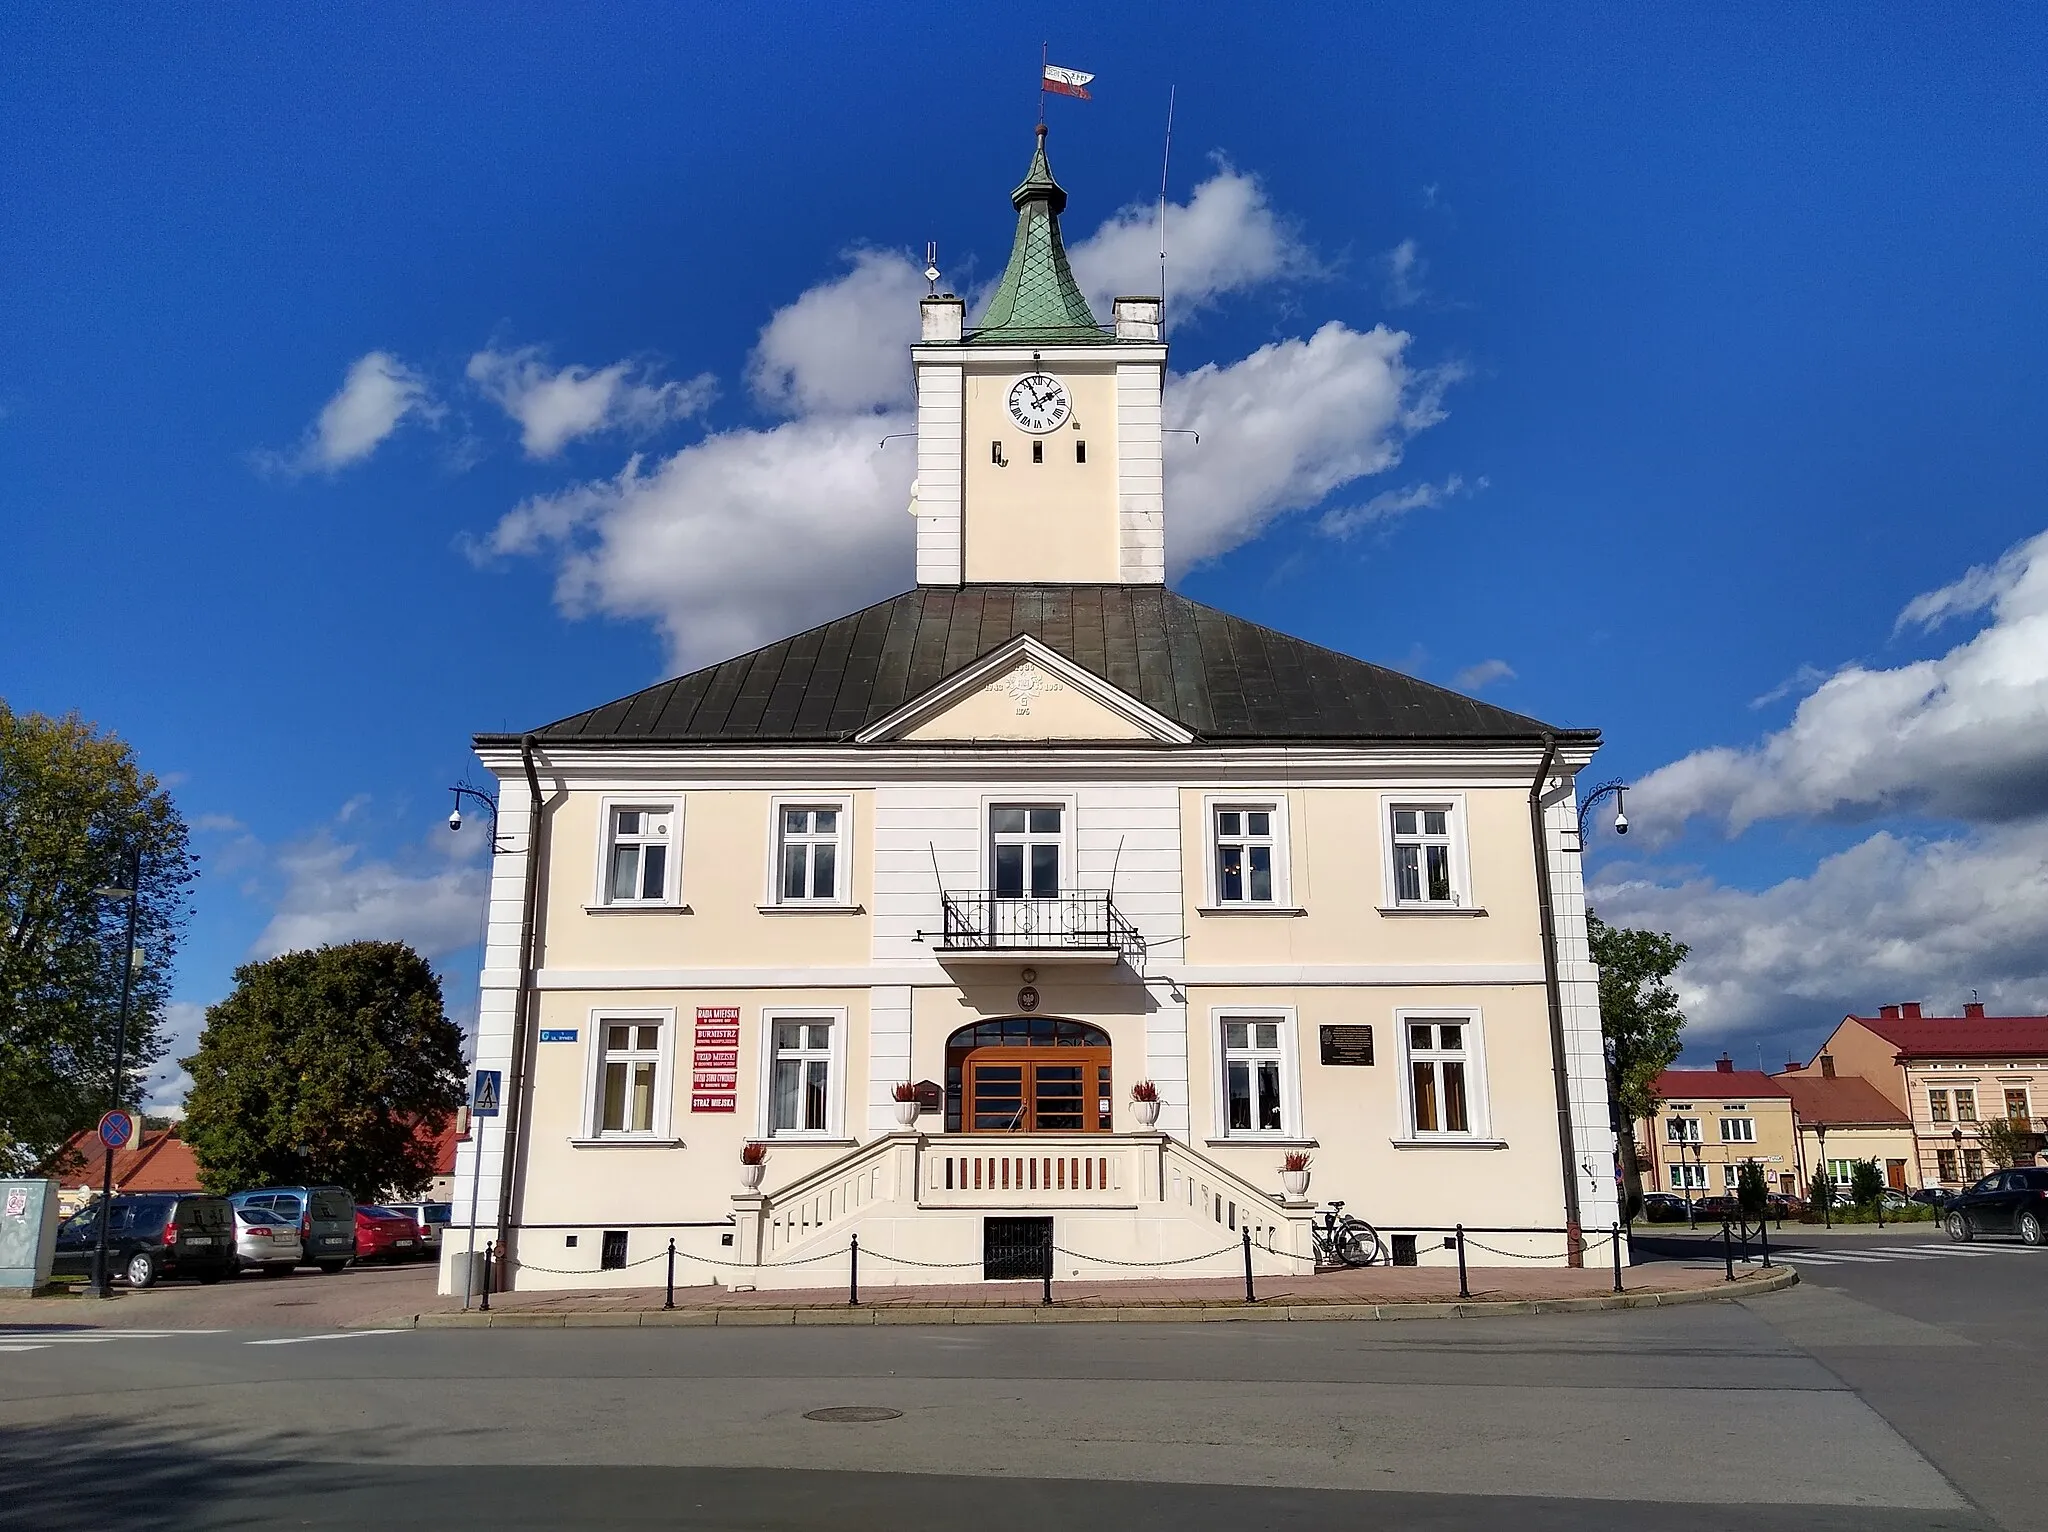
[2004, 1202]
[151, 1236]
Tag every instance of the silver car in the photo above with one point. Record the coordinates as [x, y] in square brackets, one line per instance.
[261, 1242]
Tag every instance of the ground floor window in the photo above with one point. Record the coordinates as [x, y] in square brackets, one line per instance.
[800, 1074]
[1688, 1177]
[1252, 1074]
[628, 1075]
[1973, 1164]
[1945, 1164]
[1443, 1079]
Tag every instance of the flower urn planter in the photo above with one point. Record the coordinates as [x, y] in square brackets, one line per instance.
[1296, 1182]
[906, 1114]
[750, 1176]
[1147, 1112]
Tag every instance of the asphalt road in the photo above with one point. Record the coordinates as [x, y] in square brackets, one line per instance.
[1886, 1392]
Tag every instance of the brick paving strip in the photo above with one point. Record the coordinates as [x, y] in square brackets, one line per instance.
[1377, 1293]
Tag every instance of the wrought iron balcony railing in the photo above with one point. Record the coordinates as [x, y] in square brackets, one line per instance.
[981, 921]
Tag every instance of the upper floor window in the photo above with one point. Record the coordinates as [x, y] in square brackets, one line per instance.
[1025, 845]
[1426, 855]
[1248, 854]
[1966, 1106]
[639, 861]
[1937, 1107]
[810, 859]
[2016, 1106]
[1738, 1130]
[1682, 1130]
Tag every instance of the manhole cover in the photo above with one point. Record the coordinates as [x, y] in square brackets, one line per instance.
[841, 1414]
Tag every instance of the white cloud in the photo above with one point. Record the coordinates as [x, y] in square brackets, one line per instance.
[1801, 681]
[1893, 917]
[1478, 677]
[1225, 238]
[333, 894]
[163, 1092]
[1391, 504]
[842, 346]
[218, 824]
[1407, 273]
[556, 405]
[377, 395]
[1964, 735]
[1286, 426]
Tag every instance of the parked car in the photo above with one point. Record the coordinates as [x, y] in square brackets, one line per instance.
[1663, 1207]
[1784, 1205]
[325, 1215]
[264, 1242]
[153, 1235]
[2004, 1202]
[432, 1217]
[1717, 1208]
[386, 1234]
[1931, 1196]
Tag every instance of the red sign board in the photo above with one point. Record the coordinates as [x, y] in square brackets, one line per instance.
[715, 1062]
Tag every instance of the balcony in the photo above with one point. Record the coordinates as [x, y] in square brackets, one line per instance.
[1070, 928]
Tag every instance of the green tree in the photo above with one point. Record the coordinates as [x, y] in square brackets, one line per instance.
[1642, 1022]
[1820, 1192]
[2007, 1141]
[1751, 1190]
[75, 807]
[1866, 1183]
[322, 1067]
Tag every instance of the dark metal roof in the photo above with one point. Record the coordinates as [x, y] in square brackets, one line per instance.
[1219, 676]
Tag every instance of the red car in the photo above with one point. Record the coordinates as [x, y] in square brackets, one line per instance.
[383, 1233]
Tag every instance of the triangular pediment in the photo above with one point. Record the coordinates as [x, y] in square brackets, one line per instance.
[1025, 691]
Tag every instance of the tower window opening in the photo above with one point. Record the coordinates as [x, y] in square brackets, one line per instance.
[995, 454]
[1038, 452]
[1080, 452]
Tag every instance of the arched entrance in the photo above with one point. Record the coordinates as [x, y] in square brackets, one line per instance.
[1028, 1074]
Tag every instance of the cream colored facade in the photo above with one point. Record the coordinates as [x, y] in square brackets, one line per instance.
[1730, 1118]
[644, 1037]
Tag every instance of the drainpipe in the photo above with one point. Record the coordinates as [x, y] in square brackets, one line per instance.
[1574, 1237]
[522, 1000]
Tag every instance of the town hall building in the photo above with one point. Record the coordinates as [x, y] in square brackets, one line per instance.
[1035, 906]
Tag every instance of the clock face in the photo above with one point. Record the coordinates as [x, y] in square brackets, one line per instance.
[1040, 403]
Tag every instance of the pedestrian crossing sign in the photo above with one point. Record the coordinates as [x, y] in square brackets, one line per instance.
[483, 1098]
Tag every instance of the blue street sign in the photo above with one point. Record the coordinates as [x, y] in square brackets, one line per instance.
[116, 1129]
[483, 1098]
[558, 1034]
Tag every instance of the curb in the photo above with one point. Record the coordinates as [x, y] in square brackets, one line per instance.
[905, 1314]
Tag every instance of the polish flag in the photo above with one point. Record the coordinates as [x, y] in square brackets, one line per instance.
[1067, 82]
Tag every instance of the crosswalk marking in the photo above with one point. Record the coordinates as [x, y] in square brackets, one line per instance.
[1879, 1255]
[38, 1340]
[300, 1340]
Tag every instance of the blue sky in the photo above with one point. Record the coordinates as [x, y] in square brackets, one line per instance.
[1711, 342]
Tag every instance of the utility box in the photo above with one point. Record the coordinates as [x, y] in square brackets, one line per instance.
[28, 1234]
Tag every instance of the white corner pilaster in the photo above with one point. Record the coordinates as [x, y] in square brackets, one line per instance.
[1141, 474]
[941, 403]
[1585, 1049]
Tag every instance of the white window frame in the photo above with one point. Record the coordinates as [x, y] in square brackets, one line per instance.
[1478, 1105]
[834, 1130]
[1945, 1112]
[1275, 804]
[772, 900]
[1958, 1095]
[1686, 1175]
[1748, 1123]
[1682, 1137]
[2026, 1095]
[662, 1131]
[672, 873]
[1464, 899]
[1291, 1129]
[1024, 798]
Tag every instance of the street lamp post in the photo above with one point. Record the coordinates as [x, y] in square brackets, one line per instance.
[1957, 1135]
[102, 1283]
[1827, 1208]
[1698, 1179]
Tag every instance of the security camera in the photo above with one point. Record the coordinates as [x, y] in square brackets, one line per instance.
[455, 819]
[1620, 822]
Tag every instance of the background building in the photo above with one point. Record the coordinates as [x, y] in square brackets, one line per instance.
[1711, 1122]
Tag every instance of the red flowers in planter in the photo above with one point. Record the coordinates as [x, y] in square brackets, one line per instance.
[1295, 1159]
[1144, 1090]
[753, 1154]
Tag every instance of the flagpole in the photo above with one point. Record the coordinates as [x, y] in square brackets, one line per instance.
[1044, 58]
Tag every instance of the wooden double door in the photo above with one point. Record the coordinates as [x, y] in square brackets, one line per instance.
[1036, 1090]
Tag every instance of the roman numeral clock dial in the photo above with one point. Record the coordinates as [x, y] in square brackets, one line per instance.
[1039, 403]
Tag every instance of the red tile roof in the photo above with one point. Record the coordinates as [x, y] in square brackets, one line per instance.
[1840, 1100]
[157, 1162]
[1716, 1084]
[1949, 1037]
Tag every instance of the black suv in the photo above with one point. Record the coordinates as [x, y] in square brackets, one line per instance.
[2004, 1202]
[151, 1235]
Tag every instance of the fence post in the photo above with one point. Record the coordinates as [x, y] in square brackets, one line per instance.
[1464, 1291]
[1249, 1295]
[1046, 1272]
[490, 1248]
[1764, 1235]
[669, 1299]
[1728, 1249]
[1614, 1238]
[853, 1275]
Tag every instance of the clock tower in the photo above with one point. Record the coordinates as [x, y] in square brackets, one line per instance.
[1038, 430]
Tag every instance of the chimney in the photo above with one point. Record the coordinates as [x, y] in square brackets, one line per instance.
[1827, 1066]
[1136, 318]
[1724, 1065]
[945, 318]
[1910, 1011]
[1888, 1013]
[1973, 1010]
[1793, 1066]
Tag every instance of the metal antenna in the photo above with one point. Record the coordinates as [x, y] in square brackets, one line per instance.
[931, 266]
[1165, 159]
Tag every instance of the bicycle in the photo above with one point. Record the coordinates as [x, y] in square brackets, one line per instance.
[1343, 1239]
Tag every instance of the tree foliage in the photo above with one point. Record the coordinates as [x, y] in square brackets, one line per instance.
[1866, 1183]
[2007, 1141]
[1639, 1011]
[329, 1066]
[1820, 1192]
[75, 807]
[1751, 1190]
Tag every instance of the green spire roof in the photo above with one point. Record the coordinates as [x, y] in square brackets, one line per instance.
[1038, 299]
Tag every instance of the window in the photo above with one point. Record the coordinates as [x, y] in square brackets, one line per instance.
[2016, 1106]
[1973, 1163]
[800, 1075]
[1038, 452]
[1024, 852]
[1731, 1175]
[1440, 1098]
[1080, 452]
[1738, 1130]
[1682, 1130]
[1945, 1164]
[1244, 854]
[628, 1075]
[1937, 1109]
[1687, 1177]
[1252, 1072]
[637, 856]
[809, 860]
[1841, 1172]
[1966, 1106]
[1424, 854]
